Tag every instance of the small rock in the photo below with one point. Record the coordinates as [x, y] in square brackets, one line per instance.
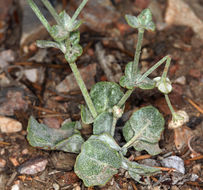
[195, 73]
[33, 166]
[98, 15]
[178, 12]
[2, 163]
[14, 161]
[69, 83]
[181, 80]
[52, 122]
[174, 162]
[35, 75]
[25, 151]
[8, 125]
[77, 188]
[63, 161]
[5, 57]
[12, 99]
[56, 186]
[15, 187]
[150, 162]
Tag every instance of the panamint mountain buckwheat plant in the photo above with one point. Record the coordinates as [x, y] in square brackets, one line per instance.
[100, 157]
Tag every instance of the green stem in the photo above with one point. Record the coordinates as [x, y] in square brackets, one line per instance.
[168, 62]
[131, 141]
[113, 126]
[138, 50]
[170, 106]
[52, 11]
[147, 73]
[77, 12]
[83, 89]
[39, 15]
[124, 98]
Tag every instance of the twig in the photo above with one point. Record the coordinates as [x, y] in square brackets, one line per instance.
[165, 169]
[142, 157]
[195, 105]
[5, 143]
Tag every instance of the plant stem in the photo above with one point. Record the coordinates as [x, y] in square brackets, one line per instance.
[138, 50]
[77, 12]
[170, 105]
[168, 62]
[113, 126]
[52, 11]
[83, 89]
[40, 15]
[124, 98]
[147, 73]
[131, 141]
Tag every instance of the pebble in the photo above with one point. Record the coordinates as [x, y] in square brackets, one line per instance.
[180, 80]
[69, 83]
[5, 57]
[52, 122]
[8, 125]
[2, 163]
[14, 161]
[15, 187]
[178, 12]
[174, 162]
[33, 166]
[195, 73]
[63, 161]
[13, 100]
[56, 186]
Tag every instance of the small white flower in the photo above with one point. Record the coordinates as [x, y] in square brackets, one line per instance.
[117, 112]
[180, 118]
[163, 86]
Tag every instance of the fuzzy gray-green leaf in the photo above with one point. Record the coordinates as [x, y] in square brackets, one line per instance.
[136, 171]
[152, 132]
[86, 116]
[72, 144]
[103, 123]
[132, 21]
[73, 53]
[105, 95]
[97, 163]
[41, 136]
[107, 138]
[59, 33]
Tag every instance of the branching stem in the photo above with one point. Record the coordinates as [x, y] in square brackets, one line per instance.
[138, 50]
[51, 9]
[40, 15]
[83, 89]
[77, 12]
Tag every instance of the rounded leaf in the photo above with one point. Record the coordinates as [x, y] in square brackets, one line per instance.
[73, 53]
[132, 21]
[105, 95]
[96, 163]
[103, 123]
[86, 116]
[151, 134]
[59, 33]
